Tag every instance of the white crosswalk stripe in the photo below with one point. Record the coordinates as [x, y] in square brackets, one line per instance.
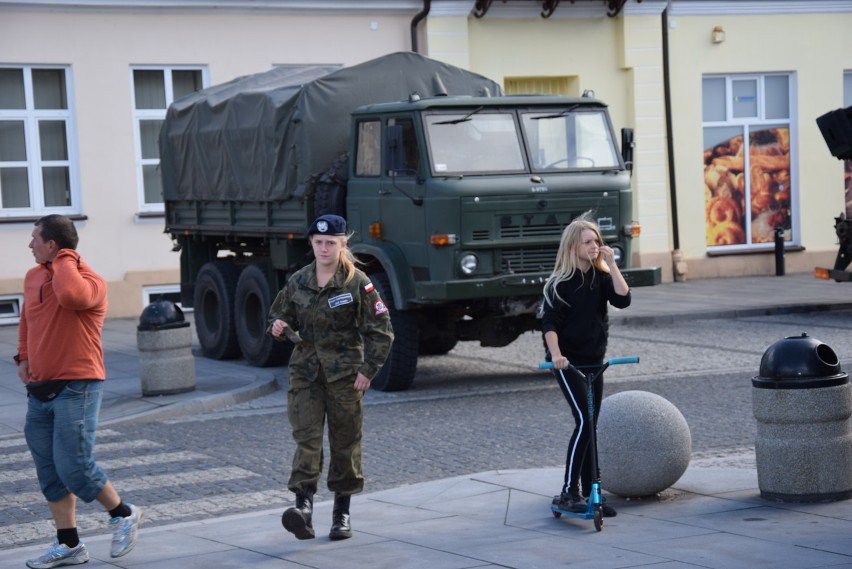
[24, 456]
[145, 483]
[93, 521]
[96, 524]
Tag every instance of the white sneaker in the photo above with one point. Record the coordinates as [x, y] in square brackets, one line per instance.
[125, 531]
[60, 554]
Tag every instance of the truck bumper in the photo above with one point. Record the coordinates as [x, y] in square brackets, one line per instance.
[643, 276]
[497, 287]
[512, 286]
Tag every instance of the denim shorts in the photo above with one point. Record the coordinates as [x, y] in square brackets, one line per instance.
[61, 436]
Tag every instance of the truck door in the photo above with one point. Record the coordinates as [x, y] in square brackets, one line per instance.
[401, 193]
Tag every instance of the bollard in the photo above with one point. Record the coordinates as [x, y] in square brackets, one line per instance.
[779, 251]
[164, 339]
[803, 402]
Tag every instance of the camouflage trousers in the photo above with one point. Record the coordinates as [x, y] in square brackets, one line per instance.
[309, 405]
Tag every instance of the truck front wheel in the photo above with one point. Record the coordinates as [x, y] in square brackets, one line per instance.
[252, 302]
[214, 310]
[398, 372]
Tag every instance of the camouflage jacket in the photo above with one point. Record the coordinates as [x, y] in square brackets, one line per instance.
[344, 328]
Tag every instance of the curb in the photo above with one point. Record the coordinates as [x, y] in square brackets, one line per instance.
[205, 404]
[628, 320]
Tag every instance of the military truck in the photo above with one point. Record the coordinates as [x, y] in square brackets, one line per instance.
[456, 195]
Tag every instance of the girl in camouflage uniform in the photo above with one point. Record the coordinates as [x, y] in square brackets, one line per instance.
[342, 331]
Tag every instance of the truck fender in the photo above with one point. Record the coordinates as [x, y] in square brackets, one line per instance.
[395, 266]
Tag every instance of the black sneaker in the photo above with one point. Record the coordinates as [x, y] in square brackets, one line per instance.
[570, 502]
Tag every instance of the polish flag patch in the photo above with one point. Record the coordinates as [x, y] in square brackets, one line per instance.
[369, 288]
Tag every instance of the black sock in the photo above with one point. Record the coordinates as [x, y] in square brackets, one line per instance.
[120, 511]
[68, 536]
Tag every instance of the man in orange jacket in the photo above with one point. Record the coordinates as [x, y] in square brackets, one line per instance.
[61, 362]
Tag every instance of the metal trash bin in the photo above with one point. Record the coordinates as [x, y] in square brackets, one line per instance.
[164, 340]
[802, 402]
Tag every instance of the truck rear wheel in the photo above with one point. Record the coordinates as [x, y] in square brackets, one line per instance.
[398, 372]
[252, 301]
[214, 310]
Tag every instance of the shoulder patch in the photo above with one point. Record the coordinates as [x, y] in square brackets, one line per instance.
[380, 307]
[368, 288]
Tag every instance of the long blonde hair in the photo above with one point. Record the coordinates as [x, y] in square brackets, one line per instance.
[568, 258]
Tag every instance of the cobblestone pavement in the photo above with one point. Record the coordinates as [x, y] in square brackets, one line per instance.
[497, 412]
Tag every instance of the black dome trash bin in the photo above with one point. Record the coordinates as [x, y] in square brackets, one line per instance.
[164, 340]
[802, 402]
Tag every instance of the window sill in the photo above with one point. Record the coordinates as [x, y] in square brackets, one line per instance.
[34, 218]
[762, 251]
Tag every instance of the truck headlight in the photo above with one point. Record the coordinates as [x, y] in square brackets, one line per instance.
[618, 254]
[468, 264]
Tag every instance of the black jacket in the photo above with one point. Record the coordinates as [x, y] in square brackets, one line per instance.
[580, 319]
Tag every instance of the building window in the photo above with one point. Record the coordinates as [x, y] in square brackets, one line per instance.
[749, 189]
[156, 293]
[38, 166]
[549, 85]
[154, 89]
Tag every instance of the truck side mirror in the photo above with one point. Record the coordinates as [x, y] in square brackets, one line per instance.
[627, 145]
[394, 150]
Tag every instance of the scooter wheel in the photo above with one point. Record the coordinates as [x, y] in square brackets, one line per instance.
[599, 518]
[556, 515]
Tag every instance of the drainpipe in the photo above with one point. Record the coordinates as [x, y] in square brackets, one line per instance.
[421, 15]
[679, 268]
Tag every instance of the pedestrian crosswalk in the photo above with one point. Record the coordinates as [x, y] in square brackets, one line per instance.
[170, 485]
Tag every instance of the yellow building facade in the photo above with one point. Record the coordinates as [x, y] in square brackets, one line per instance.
[723, 97]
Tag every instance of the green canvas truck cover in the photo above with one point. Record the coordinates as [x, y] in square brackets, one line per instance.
[268, 136]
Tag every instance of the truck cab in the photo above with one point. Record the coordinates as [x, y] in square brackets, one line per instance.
[458, 205]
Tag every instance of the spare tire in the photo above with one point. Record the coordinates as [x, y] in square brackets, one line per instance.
[330, 192]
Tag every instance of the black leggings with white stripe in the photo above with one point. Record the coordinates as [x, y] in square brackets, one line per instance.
[578, 461]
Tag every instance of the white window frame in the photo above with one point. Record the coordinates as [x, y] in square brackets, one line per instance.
[154, 114]
[751, 123]
[34, 163]
[152, 290]
[16, 302]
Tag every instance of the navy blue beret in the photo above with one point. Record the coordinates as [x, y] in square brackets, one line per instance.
[328, 225]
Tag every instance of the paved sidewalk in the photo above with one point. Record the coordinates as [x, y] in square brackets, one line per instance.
[713, 517]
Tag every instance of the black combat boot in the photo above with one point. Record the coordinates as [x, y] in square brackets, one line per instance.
[340, 528]
[297, 520]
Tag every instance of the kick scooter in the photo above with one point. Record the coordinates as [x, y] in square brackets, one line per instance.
[594, 506]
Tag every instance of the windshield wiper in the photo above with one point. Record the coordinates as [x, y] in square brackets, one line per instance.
[558, 116]
[463, 119]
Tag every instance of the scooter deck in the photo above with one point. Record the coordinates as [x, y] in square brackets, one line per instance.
[587, 513]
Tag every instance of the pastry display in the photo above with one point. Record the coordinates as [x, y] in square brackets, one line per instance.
[760, 196]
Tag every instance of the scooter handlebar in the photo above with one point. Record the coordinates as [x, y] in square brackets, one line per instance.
[623, 360]
[610, 361]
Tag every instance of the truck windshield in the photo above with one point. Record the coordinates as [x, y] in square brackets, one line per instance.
[474, 142]
[569, 140]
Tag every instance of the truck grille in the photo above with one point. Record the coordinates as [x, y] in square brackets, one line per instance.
[519, 232]
[526, 231]
[526, 259]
